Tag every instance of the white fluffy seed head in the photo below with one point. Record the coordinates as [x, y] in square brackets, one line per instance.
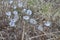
[15, 12]
[40, 27]
[48, 23]
[26, 17]
[13, 20]
[33, 21]
[16, 17]
[29, 12]
[14, 7]
[11, 1]
[24, 10]
[20, 4]
[12, 23]
[8, 13]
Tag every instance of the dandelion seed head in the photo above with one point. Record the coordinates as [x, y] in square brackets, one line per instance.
[29, 12]
[13, 20]
[20, 4]
[11, 1]
[14, 7]
[16, 17]
[24, 10]
[8, 13]
[33, 21]
[26, 17]
[40, 28]
[15, 12]
[12, 23]
[47, 23]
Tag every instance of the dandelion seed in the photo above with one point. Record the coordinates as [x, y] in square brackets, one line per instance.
[33, 21]
[26, 17]
[47, 23]
[29, 12]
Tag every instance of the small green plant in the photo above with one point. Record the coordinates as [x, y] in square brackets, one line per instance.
[32, 2]
[46, 7]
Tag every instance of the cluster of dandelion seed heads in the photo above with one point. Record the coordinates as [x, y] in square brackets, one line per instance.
[14, 19]
[27, 17]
